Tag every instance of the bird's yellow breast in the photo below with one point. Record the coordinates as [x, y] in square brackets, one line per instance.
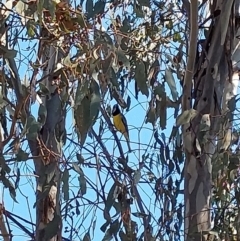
[118, 123]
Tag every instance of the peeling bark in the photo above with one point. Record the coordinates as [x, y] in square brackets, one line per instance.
[213, 72]
[47, 167]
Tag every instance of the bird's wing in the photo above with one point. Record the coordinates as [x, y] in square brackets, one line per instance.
[124, 120]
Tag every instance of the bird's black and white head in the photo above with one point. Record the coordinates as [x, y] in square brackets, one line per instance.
[115, 110]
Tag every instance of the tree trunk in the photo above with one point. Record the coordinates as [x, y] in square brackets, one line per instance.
[49, 147]
[200, 135]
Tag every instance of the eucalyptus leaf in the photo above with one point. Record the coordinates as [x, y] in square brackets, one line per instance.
[171, 83]
[137, 176]
[82, 118]
[141, 77]
[65, 186]
[87, 237]
[186, 117]
[99, 7]
[22, 155]
[89, 8]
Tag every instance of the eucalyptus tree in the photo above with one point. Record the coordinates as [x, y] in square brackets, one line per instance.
[64, 65]
[208, 104]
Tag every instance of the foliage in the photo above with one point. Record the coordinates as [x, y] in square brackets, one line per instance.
[126, 52]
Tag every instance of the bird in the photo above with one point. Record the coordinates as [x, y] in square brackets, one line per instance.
[120, 123]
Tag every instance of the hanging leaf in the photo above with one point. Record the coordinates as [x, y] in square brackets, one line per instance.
[81, 178]
[171, 83]
[107, 236]
[161, 107]
[151, 115]
[3, 164]
[17, 178]
[81, 92]
[95, 101]
[87, 237]
[139, 215]
[104, 226]
[186, 117]
[32, 128]
[42, 114]
[99, 7]
[83, 184]
[89, 8]
[114, 227]
[136, 176]
[82, 118]
[141, 77]
[8, 53]
[144, 3]
[80, 158]
[109, 202]
[138, 10]
[122, 58]
[22, 155]
[44, 90]
[65, 186]
[128, 103]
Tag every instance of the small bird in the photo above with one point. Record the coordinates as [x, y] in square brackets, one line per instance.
[120, 123]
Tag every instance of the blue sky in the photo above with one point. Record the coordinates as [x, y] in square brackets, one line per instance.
[136, 121]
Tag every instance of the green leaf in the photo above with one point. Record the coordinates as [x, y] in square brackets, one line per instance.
[161, 106]
[83, 184]
[139, 215]
[12, 192]
[186, 117]
[123, 236]
[95, 101]
[89, 8]
[31, 128]
[151, 116]
[17, 178]
[99, 7]
[141, 77]
[87, 237]
[8, 184]
[107, 236]
[80, 158]
[22, 155]
[44, 90]
[67, 61]
[144, 3]
[81, 179]
[65, 186]
[42, 114]
[137, 176]
[4, 165]
[80, 19]
[52, 227]
[122, 58]
[138, 10]
[128, 103]
[82, 119]
[171, 83]
[104, 226]
[81, 92]
[8, 53]
[114, 227]
[50, 6]
[31, 28]
[109, 202]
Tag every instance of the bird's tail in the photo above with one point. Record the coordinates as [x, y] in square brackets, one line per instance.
[128, 141]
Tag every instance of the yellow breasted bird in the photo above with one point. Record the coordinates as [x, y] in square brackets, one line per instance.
[120, 123]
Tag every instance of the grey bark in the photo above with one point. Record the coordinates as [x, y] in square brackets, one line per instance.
[214, 67]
